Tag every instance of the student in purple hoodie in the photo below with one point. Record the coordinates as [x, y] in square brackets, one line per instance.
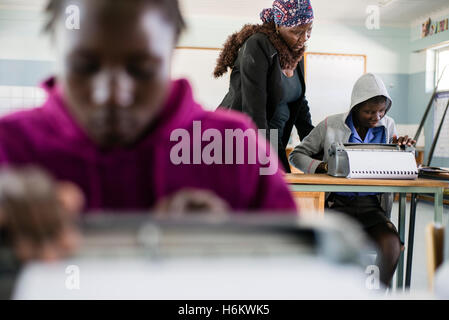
[116, 127]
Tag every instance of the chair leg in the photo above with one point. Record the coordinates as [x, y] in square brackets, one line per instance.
[401, 229]
[411, 235]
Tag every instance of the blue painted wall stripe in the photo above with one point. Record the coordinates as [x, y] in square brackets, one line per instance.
[24, 72]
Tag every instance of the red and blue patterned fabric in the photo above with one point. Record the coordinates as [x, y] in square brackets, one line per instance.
[288, 13]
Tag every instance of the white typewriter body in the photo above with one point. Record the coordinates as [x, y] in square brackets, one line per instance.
[372, 161]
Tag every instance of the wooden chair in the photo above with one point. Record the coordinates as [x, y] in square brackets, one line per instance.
[307, 202]
[435, 250]
[310, 202]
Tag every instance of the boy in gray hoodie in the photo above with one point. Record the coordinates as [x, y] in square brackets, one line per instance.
[366, 122]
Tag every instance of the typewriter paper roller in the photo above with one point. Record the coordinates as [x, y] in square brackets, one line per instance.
[372, 161]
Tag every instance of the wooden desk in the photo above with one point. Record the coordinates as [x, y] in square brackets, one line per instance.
[325, 183]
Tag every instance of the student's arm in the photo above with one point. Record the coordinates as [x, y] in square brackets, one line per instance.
[254, 71]
[301, 156]
[37, 215]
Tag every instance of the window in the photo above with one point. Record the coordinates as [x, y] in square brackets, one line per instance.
[14, 98]
[442, 61]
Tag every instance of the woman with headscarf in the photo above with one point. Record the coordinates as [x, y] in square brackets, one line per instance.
[267, 79]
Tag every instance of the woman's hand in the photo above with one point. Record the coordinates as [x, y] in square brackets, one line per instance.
[192, 200]
[39, 214]
[402, 141]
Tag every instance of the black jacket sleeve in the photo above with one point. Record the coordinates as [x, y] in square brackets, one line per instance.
[254, 67]
[303, 122]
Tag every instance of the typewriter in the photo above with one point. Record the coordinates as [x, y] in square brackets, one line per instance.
[372, 161]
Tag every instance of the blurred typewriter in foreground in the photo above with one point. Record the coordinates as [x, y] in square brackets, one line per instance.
[204, 257]
[372, 161]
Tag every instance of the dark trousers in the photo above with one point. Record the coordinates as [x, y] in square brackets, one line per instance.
[367, 211]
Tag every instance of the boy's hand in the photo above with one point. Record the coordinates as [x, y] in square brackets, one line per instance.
[402, 141]
[322, 168]
[192, 200]
[38, 214]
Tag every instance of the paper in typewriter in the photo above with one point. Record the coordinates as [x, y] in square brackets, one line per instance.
[381, 165]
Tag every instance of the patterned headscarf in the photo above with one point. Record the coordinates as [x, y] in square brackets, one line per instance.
[288, 13]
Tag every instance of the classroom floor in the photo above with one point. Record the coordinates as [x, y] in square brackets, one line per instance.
[424, 215]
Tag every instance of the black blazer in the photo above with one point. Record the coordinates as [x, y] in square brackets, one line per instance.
[256, 89]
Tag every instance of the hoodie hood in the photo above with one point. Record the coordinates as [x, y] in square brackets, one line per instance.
[369, 86]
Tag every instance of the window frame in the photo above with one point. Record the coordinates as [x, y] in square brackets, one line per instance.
[437, 67]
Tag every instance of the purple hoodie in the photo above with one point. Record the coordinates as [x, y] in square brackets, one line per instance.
[136, 178]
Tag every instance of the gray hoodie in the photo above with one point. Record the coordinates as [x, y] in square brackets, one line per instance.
[334, 128]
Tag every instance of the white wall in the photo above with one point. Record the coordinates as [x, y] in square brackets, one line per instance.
[197, 66]
[21, 36]
[386, 49]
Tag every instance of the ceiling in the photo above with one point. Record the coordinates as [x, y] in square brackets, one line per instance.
[402, 12]
[398, 12]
